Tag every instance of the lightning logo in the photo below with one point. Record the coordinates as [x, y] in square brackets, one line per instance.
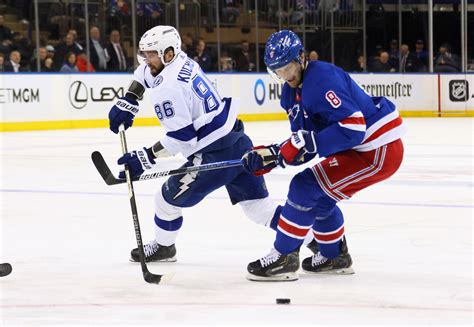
[293, 112]
[189, 178]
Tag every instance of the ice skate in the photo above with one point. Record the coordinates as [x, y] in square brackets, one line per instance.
[274, 267]
[313, 246]
[320, 264]
[155, 253]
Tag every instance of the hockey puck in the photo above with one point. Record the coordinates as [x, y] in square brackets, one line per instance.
[5, 269]
[283, 301]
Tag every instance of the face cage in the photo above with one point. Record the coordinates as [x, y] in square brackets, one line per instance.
[278, 79]
[141, 57]
[275, 76]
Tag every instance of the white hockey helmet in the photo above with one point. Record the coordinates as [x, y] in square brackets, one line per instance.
[158, 39]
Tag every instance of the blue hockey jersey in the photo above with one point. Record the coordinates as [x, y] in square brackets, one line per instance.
[344, 116]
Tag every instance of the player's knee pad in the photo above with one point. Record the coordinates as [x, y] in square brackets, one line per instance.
[306, 192]
[164, 210]
[260, 211]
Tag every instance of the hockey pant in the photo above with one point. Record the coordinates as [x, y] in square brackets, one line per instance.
[314, 194]
[185, 191]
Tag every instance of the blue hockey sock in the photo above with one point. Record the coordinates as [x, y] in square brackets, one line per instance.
[295, 222]
[328, 232]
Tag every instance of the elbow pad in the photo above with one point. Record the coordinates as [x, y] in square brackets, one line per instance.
[135, 91]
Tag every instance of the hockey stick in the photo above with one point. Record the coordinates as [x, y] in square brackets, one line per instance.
[148, 276]
[110, 179]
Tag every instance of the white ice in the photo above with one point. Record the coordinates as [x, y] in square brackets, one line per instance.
[68, 237]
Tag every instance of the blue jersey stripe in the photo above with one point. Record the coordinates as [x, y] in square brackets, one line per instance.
[187, 133]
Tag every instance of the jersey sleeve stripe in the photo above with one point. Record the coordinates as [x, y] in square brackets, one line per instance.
[356, 122]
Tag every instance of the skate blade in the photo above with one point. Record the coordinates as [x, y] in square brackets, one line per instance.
[342, 271]
[173, 259]
[288, 277]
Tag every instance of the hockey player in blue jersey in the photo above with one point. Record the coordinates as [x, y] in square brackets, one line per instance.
[200, 125]
[357, 135]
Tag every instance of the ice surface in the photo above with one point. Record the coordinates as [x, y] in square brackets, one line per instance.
[68, 237]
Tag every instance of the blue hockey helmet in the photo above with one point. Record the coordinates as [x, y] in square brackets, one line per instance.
[282, 47]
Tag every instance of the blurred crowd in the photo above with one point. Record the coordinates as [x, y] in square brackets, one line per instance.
[62, 49]
[405, 60]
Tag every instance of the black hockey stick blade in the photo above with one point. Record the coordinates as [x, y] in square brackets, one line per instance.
[5, 269]
[104, 169]
[152, 278]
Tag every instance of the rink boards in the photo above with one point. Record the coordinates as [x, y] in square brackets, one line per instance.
[58, 101]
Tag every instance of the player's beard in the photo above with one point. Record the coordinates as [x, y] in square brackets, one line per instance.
[153, 70]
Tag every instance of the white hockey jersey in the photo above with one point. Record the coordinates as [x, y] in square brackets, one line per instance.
[188, 106]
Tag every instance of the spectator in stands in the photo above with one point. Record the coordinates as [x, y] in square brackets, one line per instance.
[5, 66]
[202, 56]
[83, 65]
[98, 54]
[76, 43]
[244, 60]
[118, 14]
[41, 53]
[360, 65]
[300, 8]
[49, 65]
[15, 59]
[227, 63]
[394, 54]
[187, 44]
[230, 10]
[70, 64]
[23, 45]
[63, 49]
[409, 62]
[382, 65]
[329, 5]
[50, 51]
[149, 13]
[6, 36]
[372, 60]
[118, 59]
[313, 56]
[445, 61]
[421, 54]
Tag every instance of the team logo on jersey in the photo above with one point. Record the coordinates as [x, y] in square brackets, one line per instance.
[333, 99]
[458, 90]
[293, 112]
[157, 80]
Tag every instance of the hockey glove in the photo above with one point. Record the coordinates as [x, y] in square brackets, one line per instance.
[123, 112]
[253, 160]
[294, 149]
[137, 161]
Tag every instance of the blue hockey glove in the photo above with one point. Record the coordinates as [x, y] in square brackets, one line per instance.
[123, 112]
[294, 149]
[137, 161]
[253, 160]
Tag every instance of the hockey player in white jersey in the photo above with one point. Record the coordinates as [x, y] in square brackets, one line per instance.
[201, 126]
